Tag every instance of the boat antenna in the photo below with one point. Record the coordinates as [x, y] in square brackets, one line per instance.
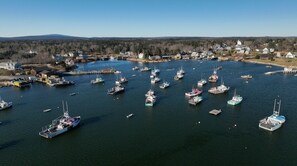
[279, 105]
[274, 112]
[63, 106]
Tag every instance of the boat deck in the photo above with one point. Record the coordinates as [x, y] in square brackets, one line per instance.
[192, 102]
[267, 126]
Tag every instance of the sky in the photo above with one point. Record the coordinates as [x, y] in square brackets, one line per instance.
[148, 18]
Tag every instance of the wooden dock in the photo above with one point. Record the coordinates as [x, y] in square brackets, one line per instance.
[215, 112]
[105, 71]
[281, 72]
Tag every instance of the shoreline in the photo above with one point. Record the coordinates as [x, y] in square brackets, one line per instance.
[267, 63]
[147, 60]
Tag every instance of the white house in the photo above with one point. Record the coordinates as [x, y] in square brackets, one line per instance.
[265, 51]
[140, 55]
[10, 65]
[194, 55]
[290, 55]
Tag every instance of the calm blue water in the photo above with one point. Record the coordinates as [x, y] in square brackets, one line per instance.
[170, 133]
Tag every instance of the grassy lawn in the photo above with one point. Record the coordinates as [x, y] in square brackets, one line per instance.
[284, 62]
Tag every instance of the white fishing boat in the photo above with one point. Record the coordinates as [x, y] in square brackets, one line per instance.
[97, 80]
[4, 104]
[219, 89]
[214, 77]
[60, 125]
[236, 99]
[178, 76]
[135, 68]
[155, 80]
[164, 85]
[195, 100]
[115, 90]
[194, 92]
[274, 121]
[201, 83]
[121, 80]
[150, 100]
[144, 69]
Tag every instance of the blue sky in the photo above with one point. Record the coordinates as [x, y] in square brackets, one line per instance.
[148, 18]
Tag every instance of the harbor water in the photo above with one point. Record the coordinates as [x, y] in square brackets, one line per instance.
[170, 133]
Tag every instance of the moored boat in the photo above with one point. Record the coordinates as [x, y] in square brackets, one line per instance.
[194, 92]
[150, 100]
[155, 80]
[97, 80]
[246, 76]
[219, 89]
[121, 80]
[115, 90]
[178, 76]
[60, 125]
[201, 82]
[236, 99]
[4, 104]
[144, 69]
[164, 85]
[214, 77]
[195, 100]
[274, 121]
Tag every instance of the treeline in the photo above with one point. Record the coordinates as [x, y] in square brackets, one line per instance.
[19, 50]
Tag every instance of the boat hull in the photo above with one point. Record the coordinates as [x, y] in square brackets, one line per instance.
[47, 134]
[232, 102]
[9, 105]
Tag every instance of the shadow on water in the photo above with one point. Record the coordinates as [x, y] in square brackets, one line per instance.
[5, 122]
[94, 119]
[10, 144]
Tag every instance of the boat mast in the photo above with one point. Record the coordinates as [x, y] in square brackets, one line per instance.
[279, 105]
[63, 106]
[274, 112]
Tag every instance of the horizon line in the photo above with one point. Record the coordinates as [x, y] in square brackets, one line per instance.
[177, 36]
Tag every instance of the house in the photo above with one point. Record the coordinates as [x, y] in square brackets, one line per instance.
[290, 55]
[10, 65]
[177, 56]
[141, 55]
[195, 55]
[265, 51]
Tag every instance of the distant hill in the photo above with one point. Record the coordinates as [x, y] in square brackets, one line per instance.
[42, 37]
[66, 37]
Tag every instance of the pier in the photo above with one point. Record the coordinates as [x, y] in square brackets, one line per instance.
[281, 71]
[105, 71]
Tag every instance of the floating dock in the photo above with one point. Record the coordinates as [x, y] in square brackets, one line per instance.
[215, 112]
